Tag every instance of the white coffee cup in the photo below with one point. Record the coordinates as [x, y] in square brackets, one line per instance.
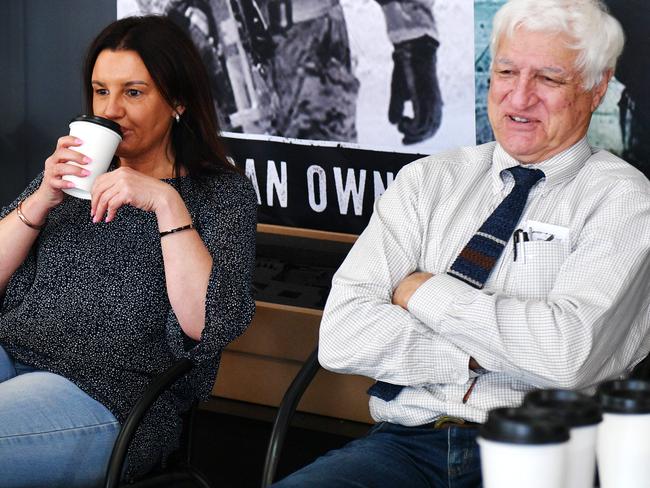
[581, 414]
[100, 138]
[521, 447]
[623, 446]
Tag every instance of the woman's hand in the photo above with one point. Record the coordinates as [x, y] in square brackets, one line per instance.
[50, 192]
[126, 186]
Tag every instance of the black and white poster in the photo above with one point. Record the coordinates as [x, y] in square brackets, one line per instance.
[323, 101]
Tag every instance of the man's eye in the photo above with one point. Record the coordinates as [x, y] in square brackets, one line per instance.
[551, 81]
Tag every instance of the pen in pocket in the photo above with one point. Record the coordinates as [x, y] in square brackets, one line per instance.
[518, 239]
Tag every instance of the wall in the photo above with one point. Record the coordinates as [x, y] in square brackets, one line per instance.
[42, 45]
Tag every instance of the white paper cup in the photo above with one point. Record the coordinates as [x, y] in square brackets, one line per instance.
[100, 138]
[581, 414]
[521, 448]
[513, 465]
[623, 445]
[581, 470]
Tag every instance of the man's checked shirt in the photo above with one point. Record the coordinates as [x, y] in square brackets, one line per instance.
[575, 313]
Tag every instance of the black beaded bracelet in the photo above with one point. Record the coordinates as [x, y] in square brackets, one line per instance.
[177, 229]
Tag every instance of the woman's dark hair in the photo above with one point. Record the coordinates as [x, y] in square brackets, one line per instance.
[176, 67]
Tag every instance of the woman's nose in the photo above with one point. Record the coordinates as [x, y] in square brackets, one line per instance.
[111, 109]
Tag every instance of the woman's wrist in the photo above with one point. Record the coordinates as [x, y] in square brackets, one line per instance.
[171, 211]
[33, 211]
[25, 220]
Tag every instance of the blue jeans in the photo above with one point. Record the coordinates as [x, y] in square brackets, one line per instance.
[395, 456]
[52, 434]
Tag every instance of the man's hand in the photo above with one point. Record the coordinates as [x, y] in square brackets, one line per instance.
[414, 78]
[405, 289]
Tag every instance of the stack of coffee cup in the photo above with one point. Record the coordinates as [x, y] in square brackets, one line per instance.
[623, 446]
[523, 448]
[581, 414]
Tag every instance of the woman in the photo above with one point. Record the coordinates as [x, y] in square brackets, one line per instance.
[99, 296]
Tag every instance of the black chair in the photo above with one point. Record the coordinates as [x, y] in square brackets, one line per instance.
[284, 415]
[642, 370]
[180, 471]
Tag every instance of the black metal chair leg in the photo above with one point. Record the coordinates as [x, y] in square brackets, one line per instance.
[285, 413]
[159, 384]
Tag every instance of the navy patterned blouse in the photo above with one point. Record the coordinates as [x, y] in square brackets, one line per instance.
[90, 303]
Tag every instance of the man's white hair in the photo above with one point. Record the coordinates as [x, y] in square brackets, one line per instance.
[596, 35]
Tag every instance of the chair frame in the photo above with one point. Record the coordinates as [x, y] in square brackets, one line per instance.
[642, 370]
[285, 413]
[185, 472]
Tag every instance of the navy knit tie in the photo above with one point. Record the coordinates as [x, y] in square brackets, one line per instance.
[475, 262]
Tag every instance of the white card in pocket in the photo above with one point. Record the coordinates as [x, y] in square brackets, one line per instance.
[541, 231]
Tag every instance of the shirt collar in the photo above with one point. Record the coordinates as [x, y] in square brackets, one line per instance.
[558, 169]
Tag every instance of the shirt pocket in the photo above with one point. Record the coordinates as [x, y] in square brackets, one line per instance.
[534, 276]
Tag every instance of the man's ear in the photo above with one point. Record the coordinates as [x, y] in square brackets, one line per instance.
[598, 91]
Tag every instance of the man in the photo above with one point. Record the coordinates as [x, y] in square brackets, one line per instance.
[195, 18]
[450, 313]
[280, 67]
[412, 30]
[312, 70]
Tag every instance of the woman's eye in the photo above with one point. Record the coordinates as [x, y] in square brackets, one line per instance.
[132, 92]
[101, 91]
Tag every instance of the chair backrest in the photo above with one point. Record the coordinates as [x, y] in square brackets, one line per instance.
[157, 386]
[285, 412]
[642, 370]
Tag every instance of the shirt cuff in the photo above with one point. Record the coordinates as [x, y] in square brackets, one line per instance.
[433, 298]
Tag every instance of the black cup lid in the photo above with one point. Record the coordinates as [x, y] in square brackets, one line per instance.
[625, 396]
[109, 124]
[575, 409]
[527, 425]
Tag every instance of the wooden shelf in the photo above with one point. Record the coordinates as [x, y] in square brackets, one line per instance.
[281, 332]
[259, 366]
[263, 381]
[316, 312]
[306, 233]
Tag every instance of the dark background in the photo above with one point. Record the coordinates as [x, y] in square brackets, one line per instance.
[42, 44]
